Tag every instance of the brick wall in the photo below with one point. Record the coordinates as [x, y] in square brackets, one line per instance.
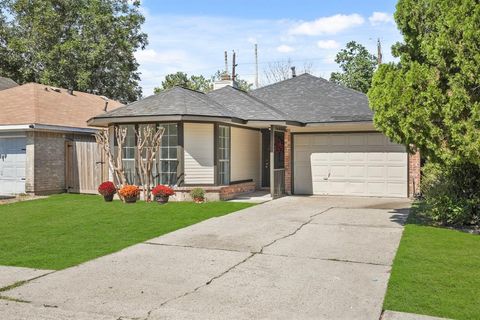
[215, 193]
[414, 174]
[49, 163]
[288, 163]
[229, 192]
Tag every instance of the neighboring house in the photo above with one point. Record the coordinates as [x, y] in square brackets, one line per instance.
[304, 135]
[7, 83]
[45, 144]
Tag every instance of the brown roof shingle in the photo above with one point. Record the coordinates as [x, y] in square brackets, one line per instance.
[34, 103]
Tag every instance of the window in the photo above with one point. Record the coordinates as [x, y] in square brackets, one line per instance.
[128, 154]
[168, 164]
[223, 155]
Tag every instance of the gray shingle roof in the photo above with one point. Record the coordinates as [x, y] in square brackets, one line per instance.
[7, 83]
[174, 101]
[304, 99]
[245, 106]
[311, 99]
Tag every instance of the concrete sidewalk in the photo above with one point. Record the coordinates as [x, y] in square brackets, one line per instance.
[292, 258]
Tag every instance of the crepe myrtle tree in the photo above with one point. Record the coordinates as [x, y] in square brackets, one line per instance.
[115, 161]
[149, 140]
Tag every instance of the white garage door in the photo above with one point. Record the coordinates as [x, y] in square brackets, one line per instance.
[357, 164]
[12, 165]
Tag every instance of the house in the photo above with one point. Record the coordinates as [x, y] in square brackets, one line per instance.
[45, 143]
[304, 135]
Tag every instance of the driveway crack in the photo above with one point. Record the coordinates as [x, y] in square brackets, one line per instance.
[252, 254]
[294, 231]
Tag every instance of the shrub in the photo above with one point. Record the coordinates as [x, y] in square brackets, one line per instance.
[162, 191]
[107, 188]
[129, 191]
[452, 193]
[197, 194]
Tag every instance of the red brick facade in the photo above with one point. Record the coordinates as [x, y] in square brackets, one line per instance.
[288, 162]
[229, 192]
[414, 174]
[215, 193]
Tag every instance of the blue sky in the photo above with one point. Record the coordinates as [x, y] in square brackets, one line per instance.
[191, 36]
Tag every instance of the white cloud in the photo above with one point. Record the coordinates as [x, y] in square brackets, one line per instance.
[328, 25]
[164, 57]
[380, 17]
[328, 44]
[285, 49]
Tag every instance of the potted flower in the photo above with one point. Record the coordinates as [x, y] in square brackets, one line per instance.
[198, 195]
[129, 193]
[107, 189]
[162, 193]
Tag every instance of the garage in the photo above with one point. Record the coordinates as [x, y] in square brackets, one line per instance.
[352, 164]
[12, 165]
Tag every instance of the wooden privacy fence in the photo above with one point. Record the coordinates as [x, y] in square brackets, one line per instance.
[86, 165]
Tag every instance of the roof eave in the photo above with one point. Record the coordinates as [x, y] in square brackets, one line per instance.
[319, 123]
[106, 121]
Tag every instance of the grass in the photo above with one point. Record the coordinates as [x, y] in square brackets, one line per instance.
[436, 272]
[65, 230]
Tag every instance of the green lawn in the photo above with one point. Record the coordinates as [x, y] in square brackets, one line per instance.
[436, 272]
[65, 230]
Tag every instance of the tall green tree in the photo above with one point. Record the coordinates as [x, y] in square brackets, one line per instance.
[430, 99]
[85, 45]
[198, 83]
[357, 65]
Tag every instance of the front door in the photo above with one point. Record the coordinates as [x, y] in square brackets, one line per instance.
[265, 158]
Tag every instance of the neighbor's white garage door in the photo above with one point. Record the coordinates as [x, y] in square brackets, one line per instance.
[12, 165]
[356, 164]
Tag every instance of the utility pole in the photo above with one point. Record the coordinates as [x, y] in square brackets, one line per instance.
[256, 66]
[379, 52]
[234, 65]
[226, 63]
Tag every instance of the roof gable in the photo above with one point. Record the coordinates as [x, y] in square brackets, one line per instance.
[174, 101]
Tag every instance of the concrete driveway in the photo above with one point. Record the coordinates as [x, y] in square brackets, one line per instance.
[292, 258]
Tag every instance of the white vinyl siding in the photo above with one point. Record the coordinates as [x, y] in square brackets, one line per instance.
[12, 165]
[356, 164]
[246, 155]
[199, 162]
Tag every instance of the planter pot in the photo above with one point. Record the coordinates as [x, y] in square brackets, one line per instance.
[198, 200]
[108, 198]
[130, 200]
[162, 199]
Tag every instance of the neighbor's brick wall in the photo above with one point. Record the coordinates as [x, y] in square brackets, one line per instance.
[288, 163]
[49, 163]
[414, 174]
